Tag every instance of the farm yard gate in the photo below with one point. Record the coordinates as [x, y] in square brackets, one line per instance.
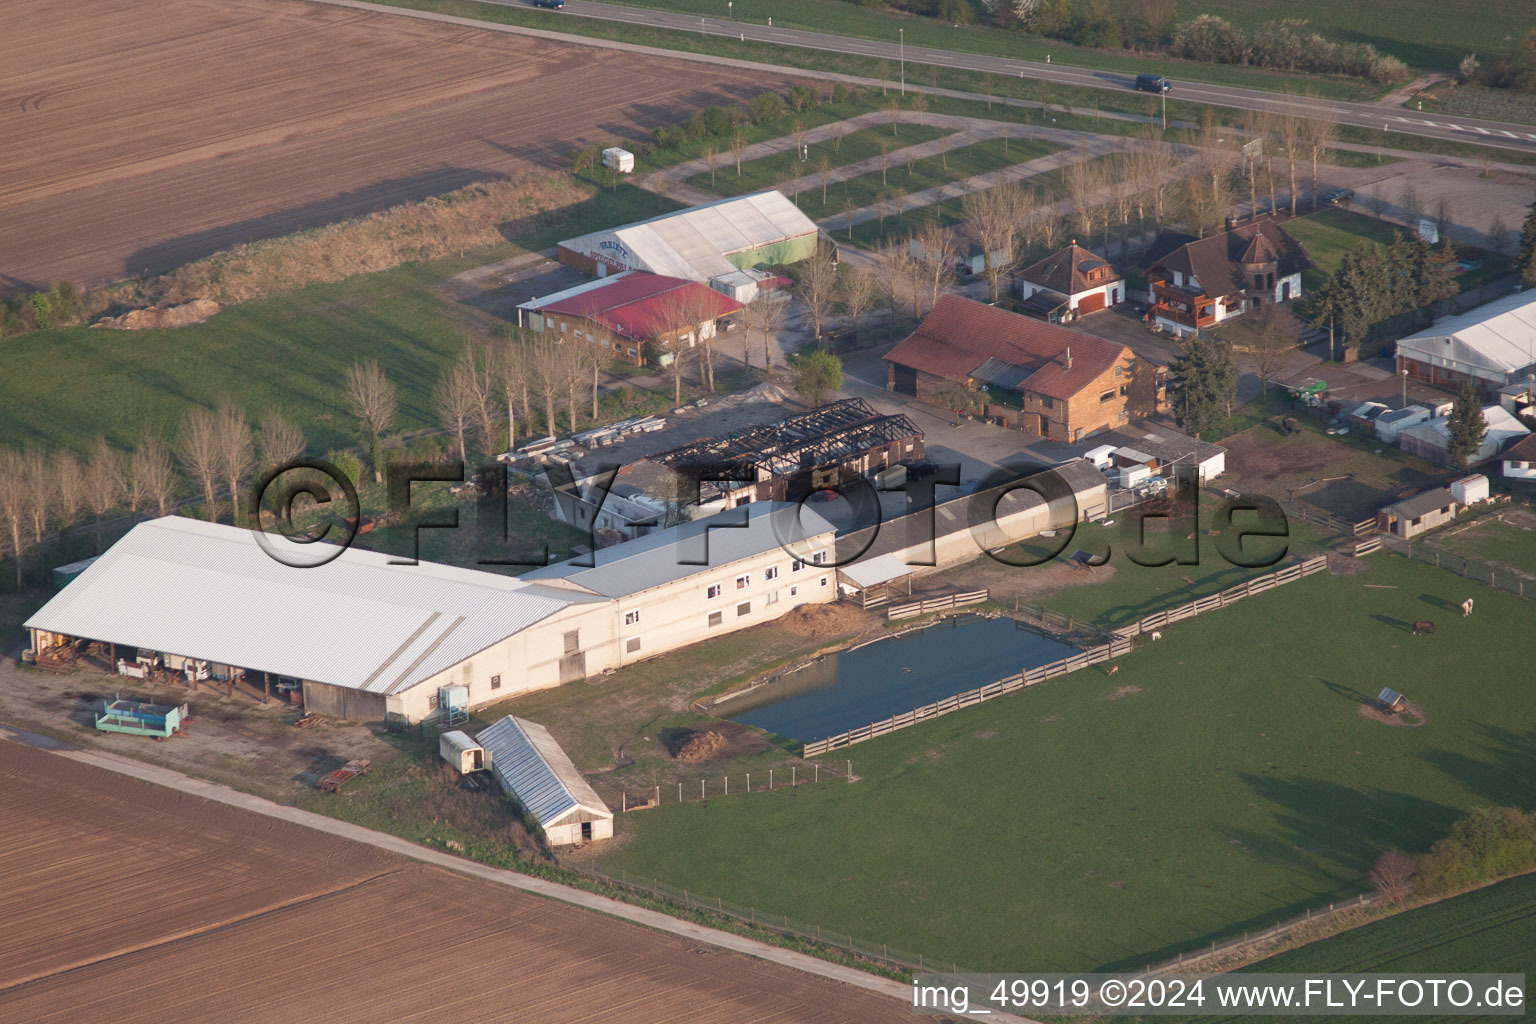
[1122, 643]
[1314, 516]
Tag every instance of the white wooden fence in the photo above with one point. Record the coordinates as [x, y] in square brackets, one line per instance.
[1257, 585]
[935, 604]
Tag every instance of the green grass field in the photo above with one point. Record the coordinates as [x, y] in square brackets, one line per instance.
[1504, 545]
[1331, 232]
[62, 388]
[1222, 780]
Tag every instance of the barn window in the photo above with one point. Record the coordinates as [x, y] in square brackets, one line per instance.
[796, 566]
[743, 582]
[715, 618]
[773, 597]
[714, 589]
[793, 591]
[573, 641]
[823, 581]
[495, 682]
[630, 618]
[820, 558]
[771, 573]
[745, 608]
[1108, 396]
[632, 645]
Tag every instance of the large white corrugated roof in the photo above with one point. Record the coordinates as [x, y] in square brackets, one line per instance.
[210, 591]
[694, 243]
[532, 767]
[1498, 336]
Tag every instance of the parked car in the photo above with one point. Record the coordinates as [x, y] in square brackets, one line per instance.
[919, 469]
[725, 323]
[1153, 83]
[1337, 195]
[554, 5]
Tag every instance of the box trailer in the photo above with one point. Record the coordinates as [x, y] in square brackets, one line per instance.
[621, 160]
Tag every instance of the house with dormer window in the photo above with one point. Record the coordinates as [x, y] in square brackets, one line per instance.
[1194, 283]
[1068, 283]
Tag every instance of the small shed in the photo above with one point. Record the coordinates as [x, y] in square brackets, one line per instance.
[458, 749]
[1422, 512]
[621, 160]
[1363, 418]
[1390, 424]
[537, 773]
[1390, 700]
[1470, 490]
[877, 580]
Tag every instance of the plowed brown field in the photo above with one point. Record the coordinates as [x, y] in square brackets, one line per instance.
[143, 133]
[125, 901]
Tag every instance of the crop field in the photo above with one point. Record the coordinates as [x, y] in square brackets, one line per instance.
[128, 902]
[257, 118]
[1224, 778]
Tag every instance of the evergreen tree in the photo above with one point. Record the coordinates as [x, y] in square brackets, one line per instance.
[1203, 382]
[1466, 425]
[1525, 260]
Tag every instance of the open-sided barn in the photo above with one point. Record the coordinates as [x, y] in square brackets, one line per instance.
[537, 772]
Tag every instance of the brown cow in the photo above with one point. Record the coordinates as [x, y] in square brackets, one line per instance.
[1423, 626]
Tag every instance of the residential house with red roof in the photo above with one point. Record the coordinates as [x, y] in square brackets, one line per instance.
[1194, 283]
[1034, 376]
[1068, 283]
[627, 311]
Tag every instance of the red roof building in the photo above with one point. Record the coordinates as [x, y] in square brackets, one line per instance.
[1032, 375]
[627, 311]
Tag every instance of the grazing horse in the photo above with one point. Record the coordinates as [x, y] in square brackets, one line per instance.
[1423, 626]
[1157, 634]
[1466, 607]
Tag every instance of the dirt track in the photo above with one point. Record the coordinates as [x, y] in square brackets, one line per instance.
[129, 902]
[142, 133]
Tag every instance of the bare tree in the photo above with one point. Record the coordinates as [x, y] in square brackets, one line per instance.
[1322, 128]
[1392, 875]
[104, 482]
[824, 175]
[198, 448]
[486, 392]
[838, 131]
[738, 149]
[70, 488]
[857, 290]
[1499, 235]
[894, 267]
[237, 454]
[797, 132]
[944, 151]
[454, 398]
[993, 217]
[1291, 131]
[372, 399]
[573, 374]
[281, 441]
[151, 476]
[885, 163]
[1275, 335]
[817, 289]
[893, 111]
[689, 316]
[544, 360]
[595, 359]
[1083, 183]
[510, 363]
[13, 506]
[40, 491]
[850, 214]
[935, 262]
[765, 315]
[712, 161]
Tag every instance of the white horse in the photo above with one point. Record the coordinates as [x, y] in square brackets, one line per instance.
[1466, 607]
[1157, 634]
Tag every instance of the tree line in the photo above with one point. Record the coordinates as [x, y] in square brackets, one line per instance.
[1374, 283]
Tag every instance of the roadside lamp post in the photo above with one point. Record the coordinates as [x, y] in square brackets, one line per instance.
[901, 34]
[1404, 372]
[1164, 95]
[730, 9]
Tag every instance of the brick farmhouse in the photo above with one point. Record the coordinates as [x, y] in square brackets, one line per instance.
[1032, 376]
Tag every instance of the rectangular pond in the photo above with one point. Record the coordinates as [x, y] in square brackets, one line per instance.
[866, 684]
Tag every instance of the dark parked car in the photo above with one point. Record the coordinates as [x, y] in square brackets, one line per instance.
[1153, 83]
[1337, 195]
[552, 4]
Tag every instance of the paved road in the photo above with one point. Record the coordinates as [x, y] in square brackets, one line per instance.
[527, 883]
[1364, 115]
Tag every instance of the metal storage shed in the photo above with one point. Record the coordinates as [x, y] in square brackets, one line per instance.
[533, 768]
